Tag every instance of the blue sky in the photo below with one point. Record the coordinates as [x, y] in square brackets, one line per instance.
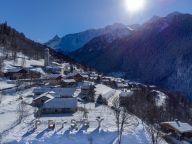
[40, 20]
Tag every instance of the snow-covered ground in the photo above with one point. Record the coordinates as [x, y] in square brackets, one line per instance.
[13, 132]
[5, 84]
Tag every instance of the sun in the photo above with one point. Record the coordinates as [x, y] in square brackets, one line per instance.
[134, 6]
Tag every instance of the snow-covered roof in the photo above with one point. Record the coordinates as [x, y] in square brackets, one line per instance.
[14, 70]
[40, 70]
[67, 92]
[48, 95]
[69, 80]
[121, 85]
[65, 64]
[55, 63]
[36, 65]
[180, 126]
[104, 90]
[85, 75]
[94, 75]
[41, 89]
[108, 78]
[87, 85]
[119, 80]
[93, 78]
[54, 67]
[72, 74]
[126, 93]
[59, 92]
[61, 103]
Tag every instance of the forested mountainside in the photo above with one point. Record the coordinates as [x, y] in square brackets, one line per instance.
[14, 41]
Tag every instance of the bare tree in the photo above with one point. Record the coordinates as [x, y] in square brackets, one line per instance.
[154, 133]
[123, 120]
[1, 97]
[23, 62]
[14, 56]
[1, 64]
[22, 112]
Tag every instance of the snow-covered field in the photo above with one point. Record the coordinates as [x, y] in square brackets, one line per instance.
[13, 132]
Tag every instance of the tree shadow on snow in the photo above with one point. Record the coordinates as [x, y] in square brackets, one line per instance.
[58, 115]
[96, 131]
[29, 132]
[67, 132]
[82, 130]
[58, 130]
[42, 133]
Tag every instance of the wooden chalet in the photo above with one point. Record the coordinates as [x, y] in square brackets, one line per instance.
[179, 129]
[87, 91]
[53, 79]
[76, 76]
[109, 81]
[120, 85]
[59, 105]
[56, 100]
[40, 100]
[21, 73]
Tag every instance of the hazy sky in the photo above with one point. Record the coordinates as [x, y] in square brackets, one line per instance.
[40, 20]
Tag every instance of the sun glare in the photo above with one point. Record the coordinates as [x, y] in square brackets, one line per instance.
[134, 6]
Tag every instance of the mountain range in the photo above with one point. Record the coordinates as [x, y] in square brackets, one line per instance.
[157, 52]
[72, 42]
